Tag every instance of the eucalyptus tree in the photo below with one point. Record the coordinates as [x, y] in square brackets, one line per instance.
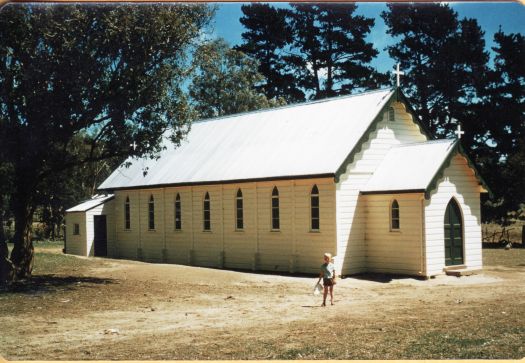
[113, 71]
[225, 82]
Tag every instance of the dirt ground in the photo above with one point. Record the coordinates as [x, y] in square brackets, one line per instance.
[78, 308]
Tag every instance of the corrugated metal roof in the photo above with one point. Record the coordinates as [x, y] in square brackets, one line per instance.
[410, 166]
[91, 203]
[307, 139]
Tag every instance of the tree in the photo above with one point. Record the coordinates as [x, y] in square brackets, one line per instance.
[331, 54]
[503, 157]
[444, 60]
[310, 50]
[449, 82]
[225, 82]
[114, 72]
[267, 34]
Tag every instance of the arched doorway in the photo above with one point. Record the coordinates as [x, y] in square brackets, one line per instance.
[453, 234]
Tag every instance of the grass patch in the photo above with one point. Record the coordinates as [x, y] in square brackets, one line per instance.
[500, 257]
[52, 263]
[49, 244]
[440, 345]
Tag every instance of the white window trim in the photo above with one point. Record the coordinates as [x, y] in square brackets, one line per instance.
[392, 229]
[278, 197]
[312, 230]
[237, 229]
[175, 214]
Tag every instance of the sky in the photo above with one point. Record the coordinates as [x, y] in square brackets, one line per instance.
[490, 15]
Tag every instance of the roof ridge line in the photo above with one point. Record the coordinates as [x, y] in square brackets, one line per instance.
[299, 104]
[438, 141]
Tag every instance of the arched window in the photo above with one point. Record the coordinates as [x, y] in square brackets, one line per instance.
[239, 218]
[391, 114]
[206, 213]
[394, 216]
[314, 208]
[151, 213]
[178, 213]
[127, 214]
[275, 209]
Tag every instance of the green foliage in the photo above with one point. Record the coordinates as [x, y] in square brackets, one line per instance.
[449, 82]
[312, 50]
[267, 34]
[503, 158]
[111, 72]
[224, 82]
[333, 55]
[444, 61]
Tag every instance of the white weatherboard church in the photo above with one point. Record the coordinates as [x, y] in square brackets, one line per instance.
[273, 190]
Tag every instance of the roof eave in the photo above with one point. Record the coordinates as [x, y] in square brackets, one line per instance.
[90, 208]
[397, 191]
[216, 182]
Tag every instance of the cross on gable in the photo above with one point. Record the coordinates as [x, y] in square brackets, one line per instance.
[459, 132]
[134, 145]
[398, 73]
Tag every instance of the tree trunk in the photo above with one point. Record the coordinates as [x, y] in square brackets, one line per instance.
[23, 251]
[6, 267]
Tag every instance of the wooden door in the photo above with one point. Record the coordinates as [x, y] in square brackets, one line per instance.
[453, 235]
[100, 240]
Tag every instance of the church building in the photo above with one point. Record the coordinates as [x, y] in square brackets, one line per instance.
[273, 190]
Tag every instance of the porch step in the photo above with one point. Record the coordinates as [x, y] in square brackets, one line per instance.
[462, 271]
[455, 267]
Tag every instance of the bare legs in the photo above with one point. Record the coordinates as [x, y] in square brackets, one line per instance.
[325, 294]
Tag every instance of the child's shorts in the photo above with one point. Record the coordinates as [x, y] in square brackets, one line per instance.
[327, 282]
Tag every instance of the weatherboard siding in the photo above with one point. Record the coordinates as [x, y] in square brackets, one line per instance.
[351, 217]
[207, 244]
[178, 242]
[127, 240]
[294, 247]
[151, 240]
[399, 251]
[76, 244]
[105, 209]
[459, 182]
[83, 244]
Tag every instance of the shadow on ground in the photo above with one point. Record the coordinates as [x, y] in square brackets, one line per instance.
[50, 283]
[384, 278]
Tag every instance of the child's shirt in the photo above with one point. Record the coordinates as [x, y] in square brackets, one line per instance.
[328, 270]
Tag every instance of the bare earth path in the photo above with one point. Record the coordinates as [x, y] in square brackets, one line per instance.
[116, 309]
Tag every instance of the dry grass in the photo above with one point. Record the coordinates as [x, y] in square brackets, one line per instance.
[494, 233]
[179, 312]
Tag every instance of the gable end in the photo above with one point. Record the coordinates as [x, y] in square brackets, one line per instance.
[457, 148]
[396, 96]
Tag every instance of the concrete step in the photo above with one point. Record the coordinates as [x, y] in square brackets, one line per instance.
[455, 267]
[462, 272]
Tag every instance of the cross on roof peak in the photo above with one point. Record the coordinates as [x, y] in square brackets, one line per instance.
[459, 132]
[398, 73]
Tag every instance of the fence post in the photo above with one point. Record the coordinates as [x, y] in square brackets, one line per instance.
[522, 236]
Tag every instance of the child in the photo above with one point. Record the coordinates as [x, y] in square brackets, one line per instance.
[328, 275]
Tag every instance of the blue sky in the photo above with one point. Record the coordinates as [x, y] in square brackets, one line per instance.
[490, 16]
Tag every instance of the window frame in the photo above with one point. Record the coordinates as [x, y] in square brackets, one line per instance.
[127, 214]
[177, 222]
[392, 218]
[206, 200]
[239, 211]
[76, 229]
[314, 193]
[277, 208]
[151, 213]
